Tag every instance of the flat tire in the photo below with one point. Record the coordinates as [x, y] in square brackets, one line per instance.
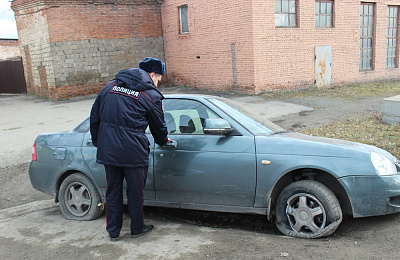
[79, 198]
[307, 209]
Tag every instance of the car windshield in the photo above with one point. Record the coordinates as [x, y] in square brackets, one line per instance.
[248, 119]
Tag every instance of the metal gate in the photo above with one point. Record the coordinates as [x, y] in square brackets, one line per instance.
[323, 66]
[12, 79]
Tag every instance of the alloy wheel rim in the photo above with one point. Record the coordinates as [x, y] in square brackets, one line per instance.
[78, 199]
[305, 213]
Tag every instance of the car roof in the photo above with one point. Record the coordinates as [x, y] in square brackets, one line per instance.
[193, 96]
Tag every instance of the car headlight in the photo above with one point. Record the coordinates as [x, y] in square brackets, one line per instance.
[382, 164]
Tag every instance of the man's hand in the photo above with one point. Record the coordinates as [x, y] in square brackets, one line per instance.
[171, 143]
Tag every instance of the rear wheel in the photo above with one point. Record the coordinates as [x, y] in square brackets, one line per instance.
[307, 209]
[79, 198]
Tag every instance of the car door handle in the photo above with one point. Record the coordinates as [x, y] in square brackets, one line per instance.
[172, 144]
[89, 142]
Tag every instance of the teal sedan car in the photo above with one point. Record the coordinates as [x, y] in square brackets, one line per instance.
[224, 158]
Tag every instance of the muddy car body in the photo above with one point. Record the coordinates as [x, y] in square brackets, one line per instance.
[223, 158]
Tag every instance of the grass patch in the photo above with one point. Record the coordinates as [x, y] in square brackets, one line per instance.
[351, 92]
[367, 130]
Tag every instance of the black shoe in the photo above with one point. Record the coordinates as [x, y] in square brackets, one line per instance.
[146, 229]
[113, 239]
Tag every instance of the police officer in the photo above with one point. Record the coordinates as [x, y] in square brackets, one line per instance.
[118, 120]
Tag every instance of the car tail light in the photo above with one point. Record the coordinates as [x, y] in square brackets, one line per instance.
[34, 152]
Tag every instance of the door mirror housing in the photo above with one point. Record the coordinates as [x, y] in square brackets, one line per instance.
[217, 126]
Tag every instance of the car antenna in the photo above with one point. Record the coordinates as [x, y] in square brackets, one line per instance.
[207, 88]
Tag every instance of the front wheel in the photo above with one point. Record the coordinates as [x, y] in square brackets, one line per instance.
[307, 209]
[79, 198]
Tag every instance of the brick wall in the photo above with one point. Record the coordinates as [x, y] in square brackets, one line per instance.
[267, 57]
[9, 49]
[218, 31]
[72, 47]
[285, 56]
[35, 46]
[76, 46]
[84, 19]
[94, 60]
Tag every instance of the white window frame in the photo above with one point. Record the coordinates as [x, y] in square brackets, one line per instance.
[392, 36]
[286, 13]
[367, 30]
[183, 19]
[324, 13]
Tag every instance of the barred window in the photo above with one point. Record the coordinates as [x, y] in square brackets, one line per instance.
[285, 13]
[391, 36]
[366, 36]
[324, 13]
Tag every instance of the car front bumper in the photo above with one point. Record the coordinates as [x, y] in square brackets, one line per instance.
[373, 195]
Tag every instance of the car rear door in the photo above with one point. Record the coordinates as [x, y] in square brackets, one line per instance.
[89, 152]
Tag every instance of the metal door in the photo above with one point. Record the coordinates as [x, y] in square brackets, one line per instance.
[323, 66]
[12, 77]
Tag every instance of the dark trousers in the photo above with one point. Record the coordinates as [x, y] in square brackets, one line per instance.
[136, 180]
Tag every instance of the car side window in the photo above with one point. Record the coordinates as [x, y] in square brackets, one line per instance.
[184, 116]
[83, 127]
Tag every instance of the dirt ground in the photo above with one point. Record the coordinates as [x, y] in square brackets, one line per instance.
[32, 227]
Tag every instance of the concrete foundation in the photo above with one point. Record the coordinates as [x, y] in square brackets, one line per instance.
[391, 110]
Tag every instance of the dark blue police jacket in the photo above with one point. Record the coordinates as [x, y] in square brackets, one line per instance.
[120, 115]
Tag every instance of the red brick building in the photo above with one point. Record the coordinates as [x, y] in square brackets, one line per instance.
[256, 45]
[71, 47]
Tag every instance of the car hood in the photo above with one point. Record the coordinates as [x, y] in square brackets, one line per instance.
[291, 143]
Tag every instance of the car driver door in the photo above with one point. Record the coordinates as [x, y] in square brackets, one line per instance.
[202, 169]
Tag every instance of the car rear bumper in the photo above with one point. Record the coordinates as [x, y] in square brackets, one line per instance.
[43, 177]
[373, 195]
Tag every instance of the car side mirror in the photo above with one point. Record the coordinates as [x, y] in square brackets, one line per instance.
[217, 126]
